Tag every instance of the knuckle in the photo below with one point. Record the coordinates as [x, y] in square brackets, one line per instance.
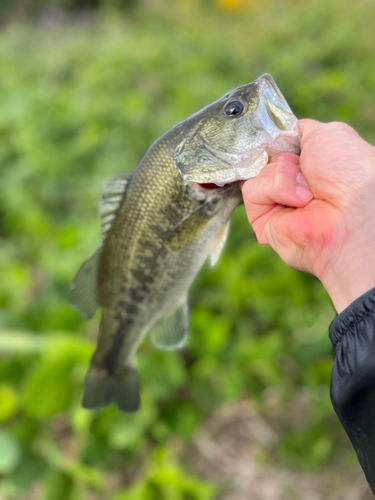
[248, 191]
[266, 171]
[280, 167]
[340, 126]
[278, 180]
[287, 168]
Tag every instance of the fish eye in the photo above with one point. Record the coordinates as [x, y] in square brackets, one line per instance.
[233, 108]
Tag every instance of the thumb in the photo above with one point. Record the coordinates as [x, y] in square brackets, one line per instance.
[307, 127]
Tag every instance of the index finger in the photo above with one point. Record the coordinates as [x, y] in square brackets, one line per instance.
[307, 125]
[288, 157]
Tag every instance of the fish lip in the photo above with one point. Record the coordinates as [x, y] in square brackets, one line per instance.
[284, 123]
[266, 81]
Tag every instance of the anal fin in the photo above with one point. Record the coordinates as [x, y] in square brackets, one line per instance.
[171, 333]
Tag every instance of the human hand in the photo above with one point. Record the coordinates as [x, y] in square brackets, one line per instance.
[330, 230]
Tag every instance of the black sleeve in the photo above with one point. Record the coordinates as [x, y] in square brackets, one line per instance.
[353, 378]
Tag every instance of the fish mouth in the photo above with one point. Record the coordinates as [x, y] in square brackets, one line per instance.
[274, 115]
[275, 102]
[201, 190]
[210, 186]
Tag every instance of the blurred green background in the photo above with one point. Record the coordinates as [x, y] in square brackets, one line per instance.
[243, 411]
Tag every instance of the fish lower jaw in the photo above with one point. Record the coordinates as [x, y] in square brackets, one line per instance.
[234, 173]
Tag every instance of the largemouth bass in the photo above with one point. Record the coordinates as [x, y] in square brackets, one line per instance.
[161, 223]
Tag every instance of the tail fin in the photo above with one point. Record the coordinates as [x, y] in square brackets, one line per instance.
[103, 388]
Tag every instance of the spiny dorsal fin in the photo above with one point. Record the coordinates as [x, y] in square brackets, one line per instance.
[219, 244]
[83, 290]
[112, 195]
[172, 331]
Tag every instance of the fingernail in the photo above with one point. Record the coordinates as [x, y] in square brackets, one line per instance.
[304, 193]
[302, 180]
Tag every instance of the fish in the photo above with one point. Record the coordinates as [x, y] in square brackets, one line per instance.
[161, 223]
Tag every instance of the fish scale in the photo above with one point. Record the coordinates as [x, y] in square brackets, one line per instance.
[159, 232]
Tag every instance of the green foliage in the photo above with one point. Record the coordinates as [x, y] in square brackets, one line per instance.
[79, 105]
[10, 453]
[165, 480]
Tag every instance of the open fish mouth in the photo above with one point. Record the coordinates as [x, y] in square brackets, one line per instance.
[273, 113]
[199, 191]
[209, 186]
[274, 116]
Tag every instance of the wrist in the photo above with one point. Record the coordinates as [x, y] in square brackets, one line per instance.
[351, 275]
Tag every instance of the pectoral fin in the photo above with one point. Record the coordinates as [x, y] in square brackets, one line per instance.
[219, 244]
[83, 290]
[171, 333]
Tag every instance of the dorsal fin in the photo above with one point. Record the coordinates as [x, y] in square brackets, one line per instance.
[83, 290]
[112, 195]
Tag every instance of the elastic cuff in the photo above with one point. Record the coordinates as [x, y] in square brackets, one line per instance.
[349, 317]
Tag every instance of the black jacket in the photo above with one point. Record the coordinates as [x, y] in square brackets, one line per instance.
[353, 378]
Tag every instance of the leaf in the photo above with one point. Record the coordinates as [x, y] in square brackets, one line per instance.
[8, 402]
[58, 486]
[10, 455]
[18, 342]
[49, 389]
